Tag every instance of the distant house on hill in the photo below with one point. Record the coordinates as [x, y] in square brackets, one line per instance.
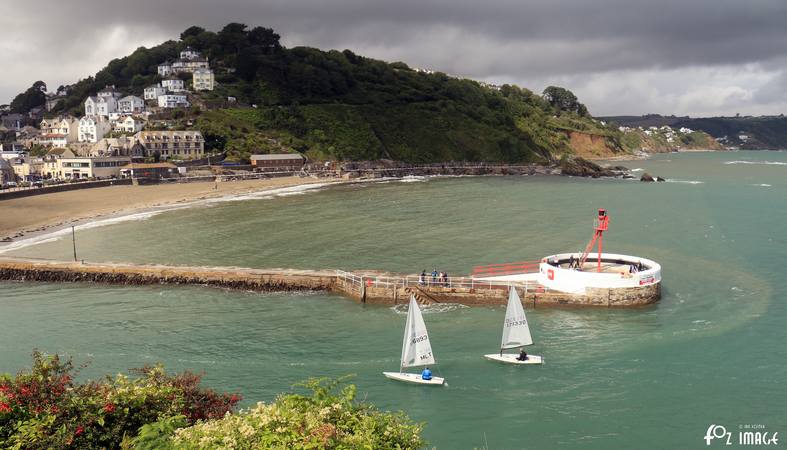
[100, 106]
[131, 104]
[189, 65]
[173, 100]
[189, 53]
[129, 124]
[189, 61]
[59, 131]
[153, 92]
[173, 84]
[165, 69]
[278, 161]
[93, 129]
[203, 80]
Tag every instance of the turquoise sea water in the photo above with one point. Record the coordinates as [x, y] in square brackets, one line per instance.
[711, 352]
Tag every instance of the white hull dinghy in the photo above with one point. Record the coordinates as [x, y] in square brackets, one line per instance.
[416, 349]
[413, 378]
[516, 334]
[511, 358]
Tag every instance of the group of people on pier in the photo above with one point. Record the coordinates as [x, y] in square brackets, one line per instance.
[437, 278]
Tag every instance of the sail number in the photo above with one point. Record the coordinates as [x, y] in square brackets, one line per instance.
[516, 322]
[418, 339]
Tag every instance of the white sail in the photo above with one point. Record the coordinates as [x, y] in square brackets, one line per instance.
[416, 349]
[516, 331]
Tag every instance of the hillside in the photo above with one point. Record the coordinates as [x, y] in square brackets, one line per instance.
[667, 139]
[751, 133]
[339, 105]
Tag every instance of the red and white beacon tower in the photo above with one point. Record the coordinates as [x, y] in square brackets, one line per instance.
[601, 225]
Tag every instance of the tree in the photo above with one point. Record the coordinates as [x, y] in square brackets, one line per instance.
[265, 38]
[564, 100]
[191, 31]
[233, 37]
[33, 97]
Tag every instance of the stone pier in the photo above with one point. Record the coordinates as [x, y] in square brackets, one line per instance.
[362, 287]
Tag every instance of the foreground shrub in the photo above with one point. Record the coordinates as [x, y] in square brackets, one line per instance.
[328, 418]
[46, 408]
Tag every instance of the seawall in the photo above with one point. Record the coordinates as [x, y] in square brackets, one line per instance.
[361, 287]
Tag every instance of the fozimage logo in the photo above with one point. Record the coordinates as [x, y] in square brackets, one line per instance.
[747, 434]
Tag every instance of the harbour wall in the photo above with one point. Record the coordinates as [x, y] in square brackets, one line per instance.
[358, 287]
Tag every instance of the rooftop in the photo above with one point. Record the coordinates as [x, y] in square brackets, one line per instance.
[158, 165]
[276, 157]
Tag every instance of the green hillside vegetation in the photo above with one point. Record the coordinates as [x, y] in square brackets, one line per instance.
[339, 105]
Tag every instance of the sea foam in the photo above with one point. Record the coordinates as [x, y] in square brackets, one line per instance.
[758, 163]
[685, 181]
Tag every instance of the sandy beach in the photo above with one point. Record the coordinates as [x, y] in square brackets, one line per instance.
[35, 214]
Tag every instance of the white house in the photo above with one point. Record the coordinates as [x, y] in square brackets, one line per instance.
[90, 106]
[189, 53]
[189, 65]
[203, 80]
[100, 106]
[131, 104]
[153, 92]
[172, 100]
[59, 131]
[109, 91]
[106, 105]
[165, 69]
[173, 84]
[93, 129]
[129, 124]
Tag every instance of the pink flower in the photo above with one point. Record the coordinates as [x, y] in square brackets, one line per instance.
[109, 408]
[4, 408]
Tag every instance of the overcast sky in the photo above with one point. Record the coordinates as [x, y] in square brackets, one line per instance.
[695, 57]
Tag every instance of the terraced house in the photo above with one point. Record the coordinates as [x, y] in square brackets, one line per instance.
[173, 144]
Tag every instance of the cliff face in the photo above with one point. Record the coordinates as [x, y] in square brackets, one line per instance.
[592, 146]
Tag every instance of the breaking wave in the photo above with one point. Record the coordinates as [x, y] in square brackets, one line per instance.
[685, 181]
[758, 163]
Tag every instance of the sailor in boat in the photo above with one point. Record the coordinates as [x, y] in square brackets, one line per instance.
[522, 355]
[426, 374]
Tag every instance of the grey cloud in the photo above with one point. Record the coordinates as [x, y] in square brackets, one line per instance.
[586, 44]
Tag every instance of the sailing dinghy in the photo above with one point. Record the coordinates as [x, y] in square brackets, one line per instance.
[516, 333]
[416, 349]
